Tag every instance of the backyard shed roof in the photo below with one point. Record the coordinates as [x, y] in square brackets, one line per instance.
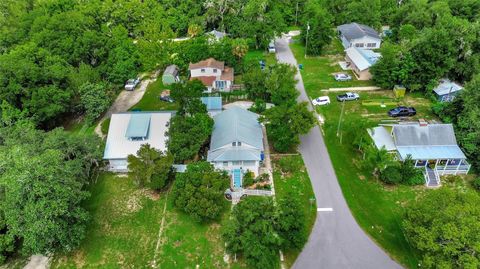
[236, 124]
[212, 102]
[363, 59]
[446, 86]
[118, 146]
[210, 62]
[355, 30]
[171, 70]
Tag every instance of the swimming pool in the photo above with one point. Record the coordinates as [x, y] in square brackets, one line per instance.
[237, 178]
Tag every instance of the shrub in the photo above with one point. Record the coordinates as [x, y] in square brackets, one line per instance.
[476, 184]
[391, 175]
[290, 165]
[248, 179]
[262, 178]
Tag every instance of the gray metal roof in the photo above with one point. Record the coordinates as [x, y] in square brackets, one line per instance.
[236, 124]
[431, 152]
[234, 154]
[354, 30]
[430, 135]
[138, 125]
[382, 138]
[362, 59]
[446, 86]
[218, 34]
[171, 70]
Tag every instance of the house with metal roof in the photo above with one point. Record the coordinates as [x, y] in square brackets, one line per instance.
[359, 36]
[433, 147]
[213, 104]
[236, 145]
[170, 75]
[215, 75]
[360, 61]
[447, 90]
[129, 131]
[215, 36]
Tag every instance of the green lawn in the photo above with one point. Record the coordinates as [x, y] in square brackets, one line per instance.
[299, 183]
[318, 71]
[150, 100]
[124, 228]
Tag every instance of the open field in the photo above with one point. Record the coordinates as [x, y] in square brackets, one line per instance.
[124, 229]
[298, 183]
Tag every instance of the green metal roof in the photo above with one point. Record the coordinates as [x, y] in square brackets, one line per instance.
[138, 125]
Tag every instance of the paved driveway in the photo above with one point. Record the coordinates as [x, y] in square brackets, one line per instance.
[336, 240]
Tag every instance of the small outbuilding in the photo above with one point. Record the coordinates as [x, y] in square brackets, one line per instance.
[447, 90]
[360, 61]
[170, 75]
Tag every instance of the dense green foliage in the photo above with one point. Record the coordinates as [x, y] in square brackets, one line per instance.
[405, 173]
[317, 31]
[199, 192]
[291, 222]
[187, 95]
[286, 123]
[42, 176]
[150, 167]
[445, 226]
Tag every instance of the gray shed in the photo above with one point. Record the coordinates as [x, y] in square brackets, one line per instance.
[170, 75]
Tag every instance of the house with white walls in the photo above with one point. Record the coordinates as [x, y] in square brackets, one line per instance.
[213, 74]
[359, 36]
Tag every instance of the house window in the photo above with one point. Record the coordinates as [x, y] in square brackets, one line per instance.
[202, 70]
[249, 163]
[225, 164]
[234, 144]
[359, 45]
[239, 144]
[237, 163]
[214, 70]
[220, 84]
[371, 45]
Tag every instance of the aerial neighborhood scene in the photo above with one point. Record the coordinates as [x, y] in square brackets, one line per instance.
[240, 134]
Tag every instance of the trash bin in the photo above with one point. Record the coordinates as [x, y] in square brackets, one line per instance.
[300, 66]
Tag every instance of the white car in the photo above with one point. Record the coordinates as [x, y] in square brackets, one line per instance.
[131, 84]
[271, 47]
[320, 101]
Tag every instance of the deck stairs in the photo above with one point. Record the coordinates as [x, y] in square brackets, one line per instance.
[432, 178]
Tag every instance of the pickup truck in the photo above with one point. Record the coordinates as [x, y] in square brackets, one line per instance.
[402, 111]
[349, 96]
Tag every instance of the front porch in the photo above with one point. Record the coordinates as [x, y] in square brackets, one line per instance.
[436, 168]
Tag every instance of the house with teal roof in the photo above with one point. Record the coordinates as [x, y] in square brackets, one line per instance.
[236, 145]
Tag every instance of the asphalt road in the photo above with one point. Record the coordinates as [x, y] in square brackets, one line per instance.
[336, 240]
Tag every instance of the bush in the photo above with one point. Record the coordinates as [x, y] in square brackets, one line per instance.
[476, 184]
[248, 179]
[391, 175]
[290, 165]
[262, 178]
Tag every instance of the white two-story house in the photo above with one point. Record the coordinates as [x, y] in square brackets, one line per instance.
[213, 74]
[237, 143]
[359, 36]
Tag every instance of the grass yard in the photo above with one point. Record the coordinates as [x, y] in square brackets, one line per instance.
[290, 175]
[318, 71]
[124, 228]
[150, 100]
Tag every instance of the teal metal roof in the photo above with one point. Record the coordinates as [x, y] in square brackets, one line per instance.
[138, 125]
[212, 103]
[236, 124]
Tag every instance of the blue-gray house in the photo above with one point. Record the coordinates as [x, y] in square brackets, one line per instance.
[447, 90]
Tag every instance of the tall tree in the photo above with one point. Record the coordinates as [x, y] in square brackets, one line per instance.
[317, 27]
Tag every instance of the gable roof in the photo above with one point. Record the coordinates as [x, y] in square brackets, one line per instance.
[217, 34]
[355, 30]
[212, 102]
[171, 70]
[433, 141]
[236, 124]
[210, 62]
[362, 59]
[446, 86]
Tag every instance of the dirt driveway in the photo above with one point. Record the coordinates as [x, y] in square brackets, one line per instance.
[124, 101]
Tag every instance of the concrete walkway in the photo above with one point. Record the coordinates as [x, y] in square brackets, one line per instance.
[124, 101]
[336, 240]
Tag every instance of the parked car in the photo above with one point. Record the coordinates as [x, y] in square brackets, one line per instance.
[349, 96]
[342, 77]
[271, 47]
[165, 96]
[131, 84]
[320, 101]
[402, 111]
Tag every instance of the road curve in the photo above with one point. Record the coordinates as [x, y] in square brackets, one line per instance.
[336, 240]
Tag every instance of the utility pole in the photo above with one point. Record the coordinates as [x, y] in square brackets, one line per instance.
[340, 120]
[296, 15]
[306, 40]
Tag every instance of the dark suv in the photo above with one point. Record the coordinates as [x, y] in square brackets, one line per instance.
[402, 111]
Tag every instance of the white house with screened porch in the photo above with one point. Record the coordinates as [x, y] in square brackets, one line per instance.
[129, 131]
[215, 75]
[433, 148]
